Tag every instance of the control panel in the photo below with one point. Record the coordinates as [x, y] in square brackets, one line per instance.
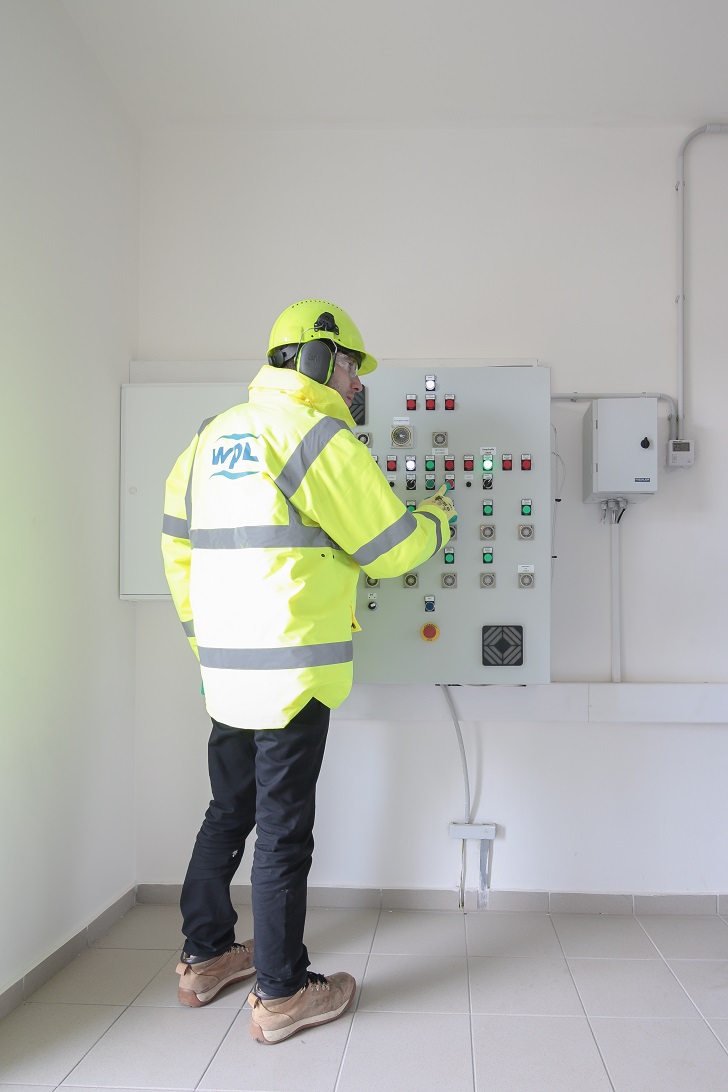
[620, 448]
[479, 611]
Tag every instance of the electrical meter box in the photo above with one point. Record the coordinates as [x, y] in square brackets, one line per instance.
[478, 612]
[620, 448]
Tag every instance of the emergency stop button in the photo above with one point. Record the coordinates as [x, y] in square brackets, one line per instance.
[429, 632]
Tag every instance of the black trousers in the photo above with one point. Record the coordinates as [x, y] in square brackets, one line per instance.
[265, 779]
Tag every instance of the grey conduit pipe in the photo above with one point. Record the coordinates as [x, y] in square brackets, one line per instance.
[711, 127]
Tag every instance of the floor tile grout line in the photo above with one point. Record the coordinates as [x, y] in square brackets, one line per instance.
[93, 1045]
[470, 1003]
[581, 1002]
[566, 961]
[141, 991]
[217, 1049]
[358, 999]
[694, 1003]
[663, 957]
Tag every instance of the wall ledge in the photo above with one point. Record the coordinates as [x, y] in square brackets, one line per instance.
[563, 703]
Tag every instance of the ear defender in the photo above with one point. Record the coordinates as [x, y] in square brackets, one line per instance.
[315, 360]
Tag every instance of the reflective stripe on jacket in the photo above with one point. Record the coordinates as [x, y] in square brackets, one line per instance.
[269, 515]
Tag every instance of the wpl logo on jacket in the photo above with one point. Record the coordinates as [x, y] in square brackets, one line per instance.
[230, 456]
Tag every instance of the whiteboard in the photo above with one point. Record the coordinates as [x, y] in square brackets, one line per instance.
[158, 421]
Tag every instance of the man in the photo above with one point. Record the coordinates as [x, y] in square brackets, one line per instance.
[269, 515]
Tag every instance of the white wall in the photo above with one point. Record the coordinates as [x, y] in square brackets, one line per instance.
[68, 284]
[525, 243]
[555, 244]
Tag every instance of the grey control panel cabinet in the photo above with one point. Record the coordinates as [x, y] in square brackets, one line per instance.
[479, 611]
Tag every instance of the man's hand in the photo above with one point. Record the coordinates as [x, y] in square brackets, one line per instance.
[442, 501]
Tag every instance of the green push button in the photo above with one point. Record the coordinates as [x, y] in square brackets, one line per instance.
[449, 557]
[411, 506]
[487, 557]
[487, 509]
[487, 464]
[430, 463]
[525, 509]
[429, 483]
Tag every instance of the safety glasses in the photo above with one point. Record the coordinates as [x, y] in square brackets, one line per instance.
[347, 363]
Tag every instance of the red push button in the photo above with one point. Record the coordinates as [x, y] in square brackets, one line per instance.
[449, 462]
[411, 401]
[429, 403]
[468, 462]
[508, 462]
[449, 401]
[429, 632]
[525, 462]
[391, 462]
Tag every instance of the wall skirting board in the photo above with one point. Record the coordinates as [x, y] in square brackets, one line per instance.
[333, 898]
[544, 902]
[44, 970]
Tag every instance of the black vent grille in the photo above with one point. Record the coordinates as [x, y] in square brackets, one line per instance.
[502, 646]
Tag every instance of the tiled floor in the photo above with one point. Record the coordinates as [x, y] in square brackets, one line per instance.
[493, 1002]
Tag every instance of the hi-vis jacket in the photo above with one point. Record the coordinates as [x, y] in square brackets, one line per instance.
[269, 515]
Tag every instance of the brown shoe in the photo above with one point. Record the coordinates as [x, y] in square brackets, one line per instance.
[319, 1001]
[200, 982]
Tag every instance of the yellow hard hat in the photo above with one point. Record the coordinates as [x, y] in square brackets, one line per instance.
[314, 320]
